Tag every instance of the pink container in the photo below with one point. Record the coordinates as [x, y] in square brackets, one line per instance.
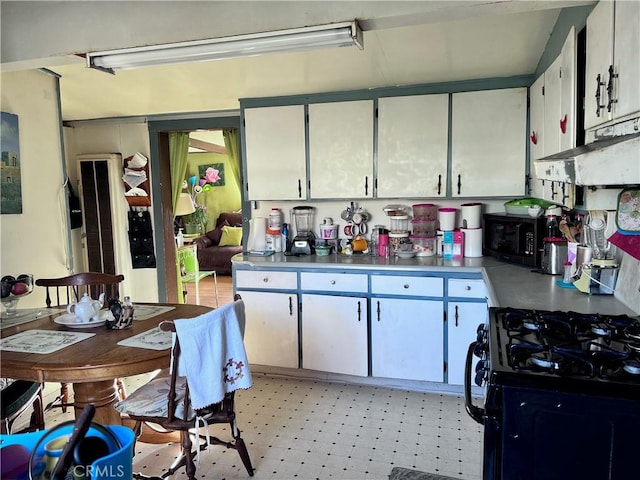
[425, 211]
[423, 228]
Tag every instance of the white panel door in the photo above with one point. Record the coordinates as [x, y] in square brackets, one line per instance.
[341, 149]
[276, 153]
[407, 339]
[412, 146]
[552, 107]
[271, 328]
[462, 324]
[626, 57]
[599, 57]
[334, 334]
[568, 92]
[489, 131]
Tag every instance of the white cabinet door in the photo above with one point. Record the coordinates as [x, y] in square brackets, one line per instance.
[462, 324]
[552, 107]
[341, 149]
[488, 143]
[276, 153]
[412, 146]
[599, 57]
[626, 58]
[334, 334]
[539, 188]
[271, 328]
[407, 339]
[568, 72]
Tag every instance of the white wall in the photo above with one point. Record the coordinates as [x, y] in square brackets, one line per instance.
[126, 139]
[35, 241]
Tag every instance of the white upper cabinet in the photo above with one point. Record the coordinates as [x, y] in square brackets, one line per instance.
[489, 131]
[341, 149]
[275, 150]
[412, 146]
[552, 107]
[568, 73]
[613, 63]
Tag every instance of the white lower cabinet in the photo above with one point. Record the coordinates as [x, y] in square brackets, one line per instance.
[334, 334]
[271, 327]
[463, 319]
[271, 330]
[407, 339]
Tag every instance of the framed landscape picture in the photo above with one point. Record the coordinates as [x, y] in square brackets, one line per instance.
[11, 186]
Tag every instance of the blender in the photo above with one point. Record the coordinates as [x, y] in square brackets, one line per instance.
[304, 240]
[600, 274]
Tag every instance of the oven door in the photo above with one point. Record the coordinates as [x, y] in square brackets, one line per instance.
[492, 444]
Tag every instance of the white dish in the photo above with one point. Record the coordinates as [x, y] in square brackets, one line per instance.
[71, 321]
[406, 254]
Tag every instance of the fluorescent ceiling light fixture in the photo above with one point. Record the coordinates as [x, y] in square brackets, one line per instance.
[294, 40]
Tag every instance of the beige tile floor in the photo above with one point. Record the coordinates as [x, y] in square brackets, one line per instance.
[306, 429]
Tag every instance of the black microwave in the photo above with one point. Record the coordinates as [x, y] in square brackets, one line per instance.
[513, 238]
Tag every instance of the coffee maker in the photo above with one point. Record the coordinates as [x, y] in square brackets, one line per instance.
[304, 241]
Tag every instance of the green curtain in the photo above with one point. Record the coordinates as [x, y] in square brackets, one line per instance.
[178, 150]
[232, 144]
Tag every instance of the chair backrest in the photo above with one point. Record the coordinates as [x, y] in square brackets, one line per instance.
[71, 289]
[172, 397]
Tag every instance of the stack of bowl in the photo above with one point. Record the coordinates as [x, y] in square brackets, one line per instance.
[423, 228]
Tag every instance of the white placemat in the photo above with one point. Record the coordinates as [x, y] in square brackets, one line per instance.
[145, 312]
[41, 341]
[24, 315]
[154, 339]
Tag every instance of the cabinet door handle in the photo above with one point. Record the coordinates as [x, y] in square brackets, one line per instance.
[610, 88]
[359, 310]
[459, 183]
[553, 190]
[439, 184]
[366, 186]
[378, 310]
[299, 188]
[599, 83]
[290, 306]
[456, 315]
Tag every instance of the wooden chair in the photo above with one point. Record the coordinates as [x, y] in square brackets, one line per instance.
[15, 399]
[166, 401]
[70, 289]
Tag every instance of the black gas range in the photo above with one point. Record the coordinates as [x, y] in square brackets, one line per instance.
[562, 395]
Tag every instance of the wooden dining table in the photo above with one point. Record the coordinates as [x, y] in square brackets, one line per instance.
[93, 364]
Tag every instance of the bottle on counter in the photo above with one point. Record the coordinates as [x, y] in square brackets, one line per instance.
[180, 238]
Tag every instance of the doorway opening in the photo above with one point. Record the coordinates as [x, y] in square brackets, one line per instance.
[163, 216]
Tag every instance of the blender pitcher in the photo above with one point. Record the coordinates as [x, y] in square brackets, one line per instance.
[595, 234]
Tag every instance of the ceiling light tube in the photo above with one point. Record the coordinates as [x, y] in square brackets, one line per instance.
[299, 39]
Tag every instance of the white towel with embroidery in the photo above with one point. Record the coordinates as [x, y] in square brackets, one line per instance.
[212, 354]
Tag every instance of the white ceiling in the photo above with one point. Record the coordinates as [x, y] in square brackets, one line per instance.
[424, 44]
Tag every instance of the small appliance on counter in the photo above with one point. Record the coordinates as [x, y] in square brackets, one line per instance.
[513, 238]
[554, 256]
[304, 241]
[599, 275]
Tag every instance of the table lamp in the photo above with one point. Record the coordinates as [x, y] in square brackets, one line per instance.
[183, 207]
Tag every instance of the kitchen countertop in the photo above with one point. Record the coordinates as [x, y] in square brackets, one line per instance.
[508, 285]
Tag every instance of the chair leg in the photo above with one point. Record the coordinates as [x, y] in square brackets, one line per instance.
[241, 448]
[64, 396]
[122, 393]
[189, 465]
[37, 417]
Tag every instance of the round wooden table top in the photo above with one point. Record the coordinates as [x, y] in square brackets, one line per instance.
[96, 358]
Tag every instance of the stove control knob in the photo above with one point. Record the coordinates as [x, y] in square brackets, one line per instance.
[481, 372]
[480, 349]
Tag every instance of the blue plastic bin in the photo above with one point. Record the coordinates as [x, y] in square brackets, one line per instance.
[115, 466]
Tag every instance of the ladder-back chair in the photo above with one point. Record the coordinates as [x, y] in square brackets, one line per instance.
[169, 401]
[70, 289]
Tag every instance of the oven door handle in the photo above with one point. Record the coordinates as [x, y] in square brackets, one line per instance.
[477, 413]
